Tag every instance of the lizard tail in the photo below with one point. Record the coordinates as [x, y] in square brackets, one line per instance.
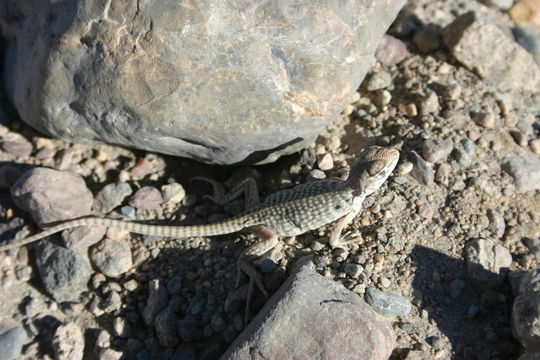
[219, 228]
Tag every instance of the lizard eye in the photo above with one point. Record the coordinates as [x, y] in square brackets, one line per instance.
[376, 167]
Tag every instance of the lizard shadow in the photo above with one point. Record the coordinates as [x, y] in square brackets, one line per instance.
[200, 293]
[465, 317]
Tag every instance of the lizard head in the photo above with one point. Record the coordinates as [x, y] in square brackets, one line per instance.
[371, 168]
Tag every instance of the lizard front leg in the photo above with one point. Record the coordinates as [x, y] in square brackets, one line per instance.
[339, 225]
[268, 240]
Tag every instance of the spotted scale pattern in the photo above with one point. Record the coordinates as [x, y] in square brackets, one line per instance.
[285, 213]
[305, 207]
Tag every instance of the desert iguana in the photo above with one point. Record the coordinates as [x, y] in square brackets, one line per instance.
[285, 213]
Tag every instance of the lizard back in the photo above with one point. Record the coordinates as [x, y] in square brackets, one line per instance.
[305, 207]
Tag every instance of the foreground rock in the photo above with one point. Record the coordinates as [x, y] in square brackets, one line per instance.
[219, 82]
[312, 317]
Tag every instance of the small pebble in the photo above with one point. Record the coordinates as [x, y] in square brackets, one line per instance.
[527, 37]
[429, 104]
[391, 51]
[141, 168]
[316, 174]
[325, 162]
[456, 287]
[436, 151]
[404, 168]
[379, 80]
[387, 304]
[17, 148]
[486, 120]
[408, 109]
[173, 193]
[353, 270]
[147, 197]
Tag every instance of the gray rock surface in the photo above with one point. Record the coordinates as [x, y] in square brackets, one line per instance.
[11, 343]
[379, 80]
[526, 312]
[83, 236]
[422, 171]
[112, 257]
[173, 193]
[68, 342]
[157, 300]
[188, 329]
[530, 356]
[147, 197]
[501, 4]
[534, 247]
[302, 321]
[50, 195]
[527, 37]
[525, 169]
[487, 262]
[387, 304]
[436, 151]
[111, 196]
[109, 354]
[391, 51]
[166, 328]
[483, 48]
[64, 273]
[221, 82]
[497, 225]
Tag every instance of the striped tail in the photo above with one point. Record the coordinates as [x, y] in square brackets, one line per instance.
[219, 228]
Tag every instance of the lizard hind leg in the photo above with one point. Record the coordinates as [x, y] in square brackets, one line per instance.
[248, 187]
[268, 240]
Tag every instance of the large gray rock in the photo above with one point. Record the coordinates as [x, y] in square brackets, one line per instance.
[218, 81]
[312, 317]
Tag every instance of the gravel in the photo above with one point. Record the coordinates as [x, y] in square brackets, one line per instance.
[454, 231]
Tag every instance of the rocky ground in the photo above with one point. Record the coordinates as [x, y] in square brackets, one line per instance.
[446, 242]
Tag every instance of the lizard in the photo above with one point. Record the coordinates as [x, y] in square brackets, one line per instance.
[288, 212]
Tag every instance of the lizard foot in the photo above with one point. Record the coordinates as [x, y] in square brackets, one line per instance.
[254, 281]
[268, 240]
[344, 243]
